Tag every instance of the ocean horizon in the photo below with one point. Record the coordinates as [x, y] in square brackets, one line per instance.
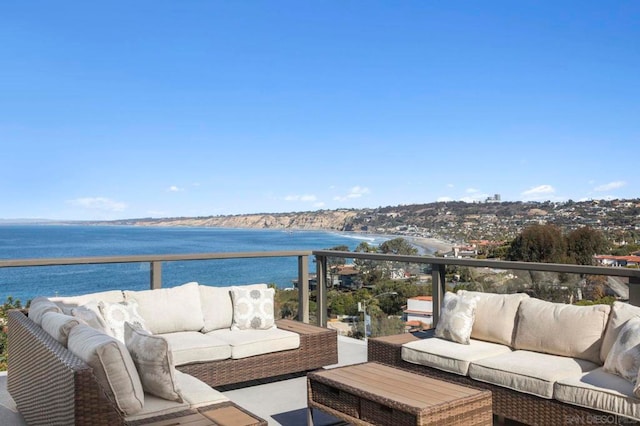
[28, 241]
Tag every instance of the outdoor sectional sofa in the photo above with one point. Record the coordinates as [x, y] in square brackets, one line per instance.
[58, 374]
[545, 363]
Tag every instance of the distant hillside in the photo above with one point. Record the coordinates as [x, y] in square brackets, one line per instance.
[455, 221]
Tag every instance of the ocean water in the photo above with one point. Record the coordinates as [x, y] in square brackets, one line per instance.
[52, 241]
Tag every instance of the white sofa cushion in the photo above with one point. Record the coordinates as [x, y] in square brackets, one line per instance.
[246, 343]
[194, 392]
[193, 346]
[152, 357]
[217, 306]
[529, 372]
[601, 391]
[449, 356]
[624, 356]
[69, 302]
[620, 313]
[112, 365]
[40, 306]
[58, 325]
[456, 317]
[168, 310]
[253, 309]
[561, 329]
[490, 307]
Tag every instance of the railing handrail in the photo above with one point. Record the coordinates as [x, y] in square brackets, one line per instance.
[489, 263]
[8, 263]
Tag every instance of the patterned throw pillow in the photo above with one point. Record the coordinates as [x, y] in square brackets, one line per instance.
[624, 357]
[91, 315]
[154, 362]
[252, 309]
[456, 317]
[116, 314]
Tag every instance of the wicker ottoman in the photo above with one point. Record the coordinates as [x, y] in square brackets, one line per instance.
[376, 394]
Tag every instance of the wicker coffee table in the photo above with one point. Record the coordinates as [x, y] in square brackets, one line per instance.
[373, 393]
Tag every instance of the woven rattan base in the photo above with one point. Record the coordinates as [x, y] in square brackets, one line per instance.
[507, 403]
[376, 394]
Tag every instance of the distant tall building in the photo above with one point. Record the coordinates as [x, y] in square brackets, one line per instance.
[494, 199]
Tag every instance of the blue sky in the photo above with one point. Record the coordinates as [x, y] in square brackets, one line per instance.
[125, 109]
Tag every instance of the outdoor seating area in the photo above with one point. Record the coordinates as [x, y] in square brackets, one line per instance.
[136, 357]
[544, 363]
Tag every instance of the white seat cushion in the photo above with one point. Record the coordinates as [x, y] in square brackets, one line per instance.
[601, 391]
[193, 346]
[449, 356]
[529, 372]
[246, 343]
[196, 392]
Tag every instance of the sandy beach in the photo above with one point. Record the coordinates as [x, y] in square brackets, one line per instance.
[431, 245]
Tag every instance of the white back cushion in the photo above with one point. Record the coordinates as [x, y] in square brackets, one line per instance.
[217, 305]
[561, 329]
[168, 310]
[112, 365]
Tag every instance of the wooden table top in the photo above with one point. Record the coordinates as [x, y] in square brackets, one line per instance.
[376, 381]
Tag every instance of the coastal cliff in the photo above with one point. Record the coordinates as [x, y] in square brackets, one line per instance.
[337, 220]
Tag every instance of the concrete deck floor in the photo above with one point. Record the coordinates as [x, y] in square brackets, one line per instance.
[280, 403]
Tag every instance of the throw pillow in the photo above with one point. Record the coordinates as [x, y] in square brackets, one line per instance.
[116, 314]
[152, 357]
[456, 317]
[624, 357]
[252, 309]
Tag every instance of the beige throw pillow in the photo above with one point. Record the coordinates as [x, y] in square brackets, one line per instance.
[624, 357]
[456, 317]
[252, 309]
[91, 315]
[112, 365]
[152, 357]
[116, 314]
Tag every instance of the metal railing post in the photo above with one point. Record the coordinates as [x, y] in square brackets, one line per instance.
[438, 282]
[321, 287]
[156, 275]
[303, 289]
[634, 291]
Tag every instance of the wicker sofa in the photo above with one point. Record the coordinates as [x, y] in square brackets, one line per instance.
[545, 363]
[52, 383]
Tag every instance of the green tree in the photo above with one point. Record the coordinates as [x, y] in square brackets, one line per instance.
[583, 243]
[398, 246]
[10, 303]
[539, 243]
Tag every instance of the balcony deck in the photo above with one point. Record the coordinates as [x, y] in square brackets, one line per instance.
[280, 403]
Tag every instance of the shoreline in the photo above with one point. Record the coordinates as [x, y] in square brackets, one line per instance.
[430, 245]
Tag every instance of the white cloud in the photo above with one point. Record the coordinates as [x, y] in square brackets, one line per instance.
[610, 186]
[355, 192]
[538, 193]
[539, 190]
[471, 191]
[99, 203]
[318, 204]
[444, 199]
[174, 188]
